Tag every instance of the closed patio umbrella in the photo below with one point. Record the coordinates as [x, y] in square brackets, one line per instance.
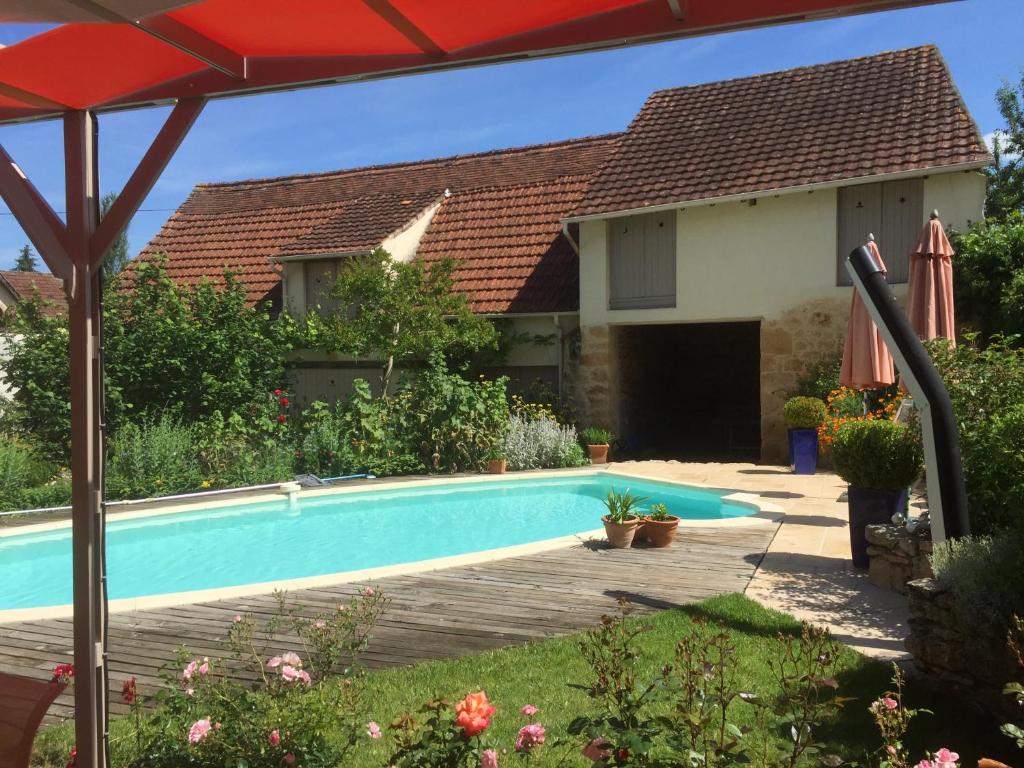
[867, 362]
[931, 283]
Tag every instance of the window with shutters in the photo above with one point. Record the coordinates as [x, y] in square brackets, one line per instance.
[319, 277]
[892, 211]
[642, 261]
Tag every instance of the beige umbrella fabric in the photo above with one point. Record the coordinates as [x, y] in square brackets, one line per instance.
[867, 363]
[930, 306]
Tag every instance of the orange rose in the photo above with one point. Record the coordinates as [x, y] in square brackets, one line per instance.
[473, 713]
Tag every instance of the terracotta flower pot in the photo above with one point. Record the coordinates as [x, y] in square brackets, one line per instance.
[620, 535]
[598, 453]
[660, 533]
[497, 466]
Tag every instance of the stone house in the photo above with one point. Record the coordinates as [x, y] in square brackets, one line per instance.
[683, 273]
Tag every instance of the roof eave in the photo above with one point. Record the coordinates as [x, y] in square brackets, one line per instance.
[974, 165]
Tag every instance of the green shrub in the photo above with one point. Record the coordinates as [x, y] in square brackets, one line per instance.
[877, 454]
[56, 493]
[821, 378]
[596, 436]
[455, 421]
[15, 473]
[986, 387]
[986, 577]
[153, 459]
[804, 412]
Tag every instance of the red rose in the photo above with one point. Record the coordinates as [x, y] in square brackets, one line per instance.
[277, 393]
[284, 401]
[128, 691]
[63, 673]
[622, 754]
[282, 419]
[72, 757]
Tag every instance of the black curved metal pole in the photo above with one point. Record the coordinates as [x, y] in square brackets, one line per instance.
[947, 495]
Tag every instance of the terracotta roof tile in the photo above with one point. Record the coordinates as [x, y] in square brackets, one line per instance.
[241, 225]
[892, 112]
[50, 289]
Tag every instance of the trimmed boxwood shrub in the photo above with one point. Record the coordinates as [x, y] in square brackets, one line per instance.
[804, 412]
[877, 453]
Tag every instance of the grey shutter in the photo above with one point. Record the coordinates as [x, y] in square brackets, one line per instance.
[642, 261]
[320, 277]
[659, 264]
[902, 214]
[859, 210]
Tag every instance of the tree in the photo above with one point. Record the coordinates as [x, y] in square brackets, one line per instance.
[1006, 174]
[989, 275]
[26, 261]
[399, 312]
[180, 353]
[117, 258]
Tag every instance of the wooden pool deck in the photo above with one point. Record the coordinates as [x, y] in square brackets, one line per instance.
[433, 615]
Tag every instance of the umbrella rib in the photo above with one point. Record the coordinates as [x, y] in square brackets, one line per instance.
[405, 26]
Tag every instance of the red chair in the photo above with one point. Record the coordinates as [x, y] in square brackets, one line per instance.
[23, 703]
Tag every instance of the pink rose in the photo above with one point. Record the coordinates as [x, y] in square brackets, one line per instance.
[199, 730]
[274, 662]
[289, 673]
[274, 738]
[488, 759]
[204, 668]
[529, 710]
[925, 764]
[292, 659]
[304, 677]
[369, 592]
[289, 759]
[889, 703]
[373, 730]
[946, 759]
[530, 736]
[189, 670]
[236, 618]
[319, 624]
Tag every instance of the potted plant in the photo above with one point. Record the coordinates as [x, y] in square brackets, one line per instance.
[803, 417]
[597, 441]
[659, 527]
[496, 461]
[879, 459]
[621, 522]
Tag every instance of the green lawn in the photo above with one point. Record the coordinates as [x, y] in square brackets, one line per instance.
[541, 673]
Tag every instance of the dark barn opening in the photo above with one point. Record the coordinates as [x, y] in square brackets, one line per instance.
[690, 391]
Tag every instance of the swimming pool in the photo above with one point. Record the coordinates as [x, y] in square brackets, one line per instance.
[331, 533]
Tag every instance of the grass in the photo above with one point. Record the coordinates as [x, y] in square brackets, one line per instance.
[543, 674]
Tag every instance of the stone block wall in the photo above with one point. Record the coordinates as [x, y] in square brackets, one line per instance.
[790, 344]
[897, 557]
[978, 666]
[596, 378]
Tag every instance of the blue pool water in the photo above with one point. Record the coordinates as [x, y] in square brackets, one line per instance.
[231, 546]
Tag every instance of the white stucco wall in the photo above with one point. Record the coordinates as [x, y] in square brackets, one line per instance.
[540, 325]
[735, 261]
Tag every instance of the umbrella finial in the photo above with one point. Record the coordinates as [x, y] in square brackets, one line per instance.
[935, 213]
[871, 237]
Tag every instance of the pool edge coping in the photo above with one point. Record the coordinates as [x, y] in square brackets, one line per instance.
[765, 513]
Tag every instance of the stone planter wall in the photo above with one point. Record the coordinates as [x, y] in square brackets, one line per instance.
[978, 667]
[897, 557]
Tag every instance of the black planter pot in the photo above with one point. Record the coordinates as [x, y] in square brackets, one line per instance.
[869, 506]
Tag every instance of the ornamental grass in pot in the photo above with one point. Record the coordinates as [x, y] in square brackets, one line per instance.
[659, 527]
[622, 521]
[803, 417]
[597, 441]
[879, 459]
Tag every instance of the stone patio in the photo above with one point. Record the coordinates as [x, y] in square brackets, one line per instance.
[807, 570]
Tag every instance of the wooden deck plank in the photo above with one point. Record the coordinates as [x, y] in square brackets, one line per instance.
[433, 615]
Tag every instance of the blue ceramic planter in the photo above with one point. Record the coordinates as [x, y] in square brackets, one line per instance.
[803, 451]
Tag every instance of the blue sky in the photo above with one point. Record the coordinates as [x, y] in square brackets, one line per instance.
[500, 106]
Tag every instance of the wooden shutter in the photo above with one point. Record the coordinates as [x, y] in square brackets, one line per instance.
[859, 210]
[902, 214]
[642, 261]
[320, 276]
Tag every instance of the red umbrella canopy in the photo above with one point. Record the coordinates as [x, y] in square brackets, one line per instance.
[138, 52]
[867, 362]
[931, 283]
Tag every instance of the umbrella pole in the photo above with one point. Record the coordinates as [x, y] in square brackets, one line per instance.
[947, 495]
